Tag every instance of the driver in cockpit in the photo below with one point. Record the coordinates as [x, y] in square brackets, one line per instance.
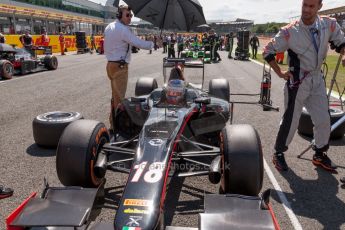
[174, 93]
[177, 73]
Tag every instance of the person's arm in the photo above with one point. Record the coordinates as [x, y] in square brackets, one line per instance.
[133, 40]
[282, 74]
[278, 44]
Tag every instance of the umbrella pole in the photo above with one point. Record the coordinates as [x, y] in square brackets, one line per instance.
[166, 9]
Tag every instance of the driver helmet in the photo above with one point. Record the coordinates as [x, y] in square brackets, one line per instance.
[175, 92]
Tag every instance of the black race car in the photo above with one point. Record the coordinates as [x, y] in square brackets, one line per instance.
[20, 61]
[155, 133]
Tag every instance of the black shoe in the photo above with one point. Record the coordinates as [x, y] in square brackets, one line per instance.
[279, 162]
[321, 159]
[5, 192]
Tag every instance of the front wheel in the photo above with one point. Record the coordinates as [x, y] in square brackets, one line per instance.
[50, 62]
[6, 69]
[242, 160]
[77, 153]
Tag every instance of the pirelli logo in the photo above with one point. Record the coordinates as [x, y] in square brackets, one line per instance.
[137, 202]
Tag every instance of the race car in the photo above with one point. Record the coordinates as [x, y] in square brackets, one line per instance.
[155, 132]
[20, 61]
[197, 52]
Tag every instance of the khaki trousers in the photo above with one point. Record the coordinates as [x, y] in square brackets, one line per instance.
[118, 79]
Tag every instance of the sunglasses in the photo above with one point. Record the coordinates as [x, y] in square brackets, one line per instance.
[128, 15]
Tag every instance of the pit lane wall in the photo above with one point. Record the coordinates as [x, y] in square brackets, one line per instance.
[70, 41]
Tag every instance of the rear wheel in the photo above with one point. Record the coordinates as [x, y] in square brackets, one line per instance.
[305, 126]
[242, 160]
[145, 85]
[77, 153]
[6, 69]
[220, 88]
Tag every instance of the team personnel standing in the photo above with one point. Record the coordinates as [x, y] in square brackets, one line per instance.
[231, 44]
[117, 47]
[165, 43]
[180, 45]
[306, 41]
[206, 42]
[26, 41]
[93, 42]
[45, 40]
[171, 46]
[254, 43]
[62, 43]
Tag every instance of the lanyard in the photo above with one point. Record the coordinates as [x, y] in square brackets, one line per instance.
[314, 34]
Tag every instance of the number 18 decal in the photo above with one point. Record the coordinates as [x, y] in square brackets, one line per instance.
[153, 175]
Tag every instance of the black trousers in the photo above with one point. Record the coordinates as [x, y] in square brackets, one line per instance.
[255, 51]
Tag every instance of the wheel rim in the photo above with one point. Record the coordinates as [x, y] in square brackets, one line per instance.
[96, 178]
[9, 69]
[54, 62]
[59, 115]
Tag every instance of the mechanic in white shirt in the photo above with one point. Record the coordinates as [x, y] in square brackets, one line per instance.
[118, 42]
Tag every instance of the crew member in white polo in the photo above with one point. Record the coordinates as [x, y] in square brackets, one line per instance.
[118, 42]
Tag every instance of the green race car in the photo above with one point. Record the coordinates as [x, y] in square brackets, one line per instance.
[197, 52]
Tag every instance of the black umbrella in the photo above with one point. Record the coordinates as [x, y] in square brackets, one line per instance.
[182, 15]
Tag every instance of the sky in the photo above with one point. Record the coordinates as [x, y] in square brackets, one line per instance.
[261, 11]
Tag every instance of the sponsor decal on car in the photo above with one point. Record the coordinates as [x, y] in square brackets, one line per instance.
[134, 221]
[156, 142]
[135, 211]
[152, 174]
[138, 202]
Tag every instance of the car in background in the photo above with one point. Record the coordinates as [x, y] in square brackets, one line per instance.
[20, 61]
[197, 52]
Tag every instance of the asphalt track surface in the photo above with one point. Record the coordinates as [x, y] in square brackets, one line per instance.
[80, 84]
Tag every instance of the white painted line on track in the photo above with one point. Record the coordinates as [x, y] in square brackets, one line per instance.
[282, 197]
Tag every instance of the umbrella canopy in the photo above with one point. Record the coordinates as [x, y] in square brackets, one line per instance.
[182, 15]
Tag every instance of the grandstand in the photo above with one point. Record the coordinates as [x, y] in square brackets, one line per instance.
[55, 16]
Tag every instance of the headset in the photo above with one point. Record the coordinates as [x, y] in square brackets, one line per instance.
[120, 8]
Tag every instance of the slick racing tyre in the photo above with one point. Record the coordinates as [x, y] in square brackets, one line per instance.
[6, 69]
[77, 153]
[145, 85]
[242, 160]
[50, 62]
[305, 126]
[48, 127]
[219, 88]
